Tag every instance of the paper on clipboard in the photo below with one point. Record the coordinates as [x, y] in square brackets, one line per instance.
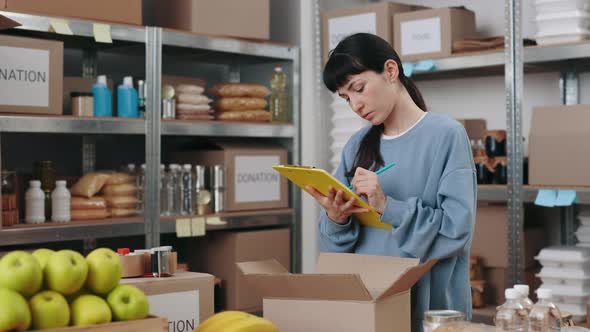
[321, 180]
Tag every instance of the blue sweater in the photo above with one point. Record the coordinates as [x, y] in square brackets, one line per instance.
[431, 202]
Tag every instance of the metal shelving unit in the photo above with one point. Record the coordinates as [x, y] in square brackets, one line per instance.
[231, 52]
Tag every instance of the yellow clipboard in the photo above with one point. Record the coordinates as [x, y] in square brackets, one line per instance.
[321, 180]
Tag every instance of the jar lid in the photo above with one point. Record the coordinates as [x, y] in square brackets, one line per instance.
[443, 316]
[123, 251]
[81, 94]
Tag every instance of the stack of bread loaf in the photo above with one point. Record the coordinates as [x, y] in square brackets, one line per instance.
[118, 196]
[192, 104]
[240, 102]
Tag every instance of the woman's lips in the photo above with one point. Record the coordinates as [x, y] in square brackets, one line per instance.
[369, 115]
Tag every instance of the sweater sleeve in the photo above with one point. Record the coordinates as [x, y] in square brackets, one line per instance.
[444, 230]
[334, 237]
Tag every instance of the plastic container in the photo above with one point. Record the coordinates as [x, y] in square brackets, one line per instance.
[511, 316]
[547, 39]
[544, 315]
[127, 99]
[60, 200]
[35, 203]
[567, 257]
[103, 100]
[567, 288]
[557, 6]
[524, 291]
[569, 296]
[562, 23]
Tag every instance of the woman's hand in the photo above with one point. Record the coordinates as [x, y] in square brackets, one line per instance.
[366, 183]
[337, 209]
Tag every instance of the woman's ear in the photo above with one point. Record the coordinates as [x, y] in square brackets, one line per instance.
[391, 70]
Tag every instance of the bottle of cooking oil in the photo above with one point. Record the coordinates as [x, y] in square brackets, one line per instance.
[279, 109]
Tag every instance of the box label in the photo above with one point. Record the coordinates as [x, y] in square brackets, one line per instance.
[181, 309]
[421, 36]
[255, 180]
[344, 26]
[24, 77]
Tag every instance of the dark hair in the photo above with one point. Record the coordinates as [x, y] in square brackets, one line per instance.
[356, 54]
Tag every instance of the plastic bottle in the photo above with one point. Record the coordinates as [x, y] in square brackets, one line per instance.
[167, 207]
[545, 316]
[127, 100]
[524, 296]
[175, 170]
[162, 190]
[511, 316]
[35, 203]
[60, 200]
[186, 185]
[103, 100]
[140, 183]
[279, 109]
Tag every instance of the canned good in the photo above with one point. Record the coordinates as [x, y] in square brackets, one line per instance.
[161, 261]
[436, 318]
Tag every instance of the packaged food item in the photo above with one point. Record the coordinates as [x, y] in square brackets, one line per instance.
[116, 212]
[89, 184]
[255, 115]
[189, 89]
[119, 178]
[239, 90]
[192, 108]
[238, 104]
[127, 202]
[93, 203]
[125, 189]
[89, 214]
[192, 99]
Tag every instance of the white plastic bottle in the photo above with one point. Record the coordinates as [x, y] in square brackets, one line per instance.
[524, 296]
[545, 316]
[512, 316]
[60, 202]
[35, 203]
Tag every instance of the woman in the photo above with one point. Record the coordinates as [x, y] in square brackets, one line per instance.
[429, 197]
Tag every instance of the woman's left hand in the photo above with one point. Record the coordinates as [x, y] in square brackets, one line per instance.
[366, 183]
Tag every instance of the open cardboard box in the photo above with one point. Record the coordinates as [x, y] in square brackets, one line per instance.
[349, 292]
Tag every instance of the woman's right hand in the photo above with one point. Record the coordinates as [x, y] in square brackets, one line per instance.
[337, 209]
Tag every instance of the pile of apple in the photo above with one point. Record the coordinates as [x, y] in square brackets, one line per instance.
[49, 289]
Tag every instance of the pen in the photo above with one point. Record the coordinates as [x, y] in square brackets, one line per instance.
[383, 169]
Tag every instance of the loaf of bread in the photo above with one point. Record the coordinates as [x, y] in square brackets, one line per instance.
[239, 90]
[240, 104]
[189, 89]
[120, 190]
[89, 184]
[89, 214]
[119, 178]
[186, 98]
[191, 108]
[122, 202]
[123, 212]
[82, 203]
[248, 115]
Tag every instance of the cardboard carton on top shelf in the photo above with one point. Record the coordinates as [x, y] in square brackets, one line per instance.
[374, 18]
[429, 34]
[31, 75]
[349, 292]
[475, 127]
[116, 11]
[231, 18]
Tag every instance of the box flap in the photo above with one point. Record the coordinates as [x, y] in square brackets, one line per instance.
[6, 23]
[272, 282]
[382, 275]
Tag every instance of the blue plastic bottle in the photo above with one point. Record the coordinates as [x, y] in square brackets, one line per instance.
[103, 101]
[127, 100]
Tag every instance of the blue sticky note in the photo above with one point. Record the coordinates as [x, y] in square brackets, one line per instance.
[408, 68]
[546, 197]
[565, 197]
[424, 65]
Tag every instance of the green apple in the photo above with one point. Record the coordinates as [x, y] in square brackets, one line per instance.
[49, 310]
[14, 311]
[83, 291]
[90, 310]
[21, 272]
[128, 303]
[66, 272]
[42, 256]
[104, 270]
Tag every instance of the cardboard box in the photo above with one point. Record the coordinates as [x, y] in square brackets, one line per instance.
[218, 252]
[475, 128]
[490, 239]
[350, 292]
[373, 18]
[31, 75]
[251, 183]
[5, 22]
[151, 324]
[559, 146]
[186, 299]
[232, 18]
[428, 34]
[127, 12]
[80, 84]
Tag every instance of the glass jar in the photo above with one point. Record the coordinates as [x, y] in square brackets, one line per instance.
[436, 318]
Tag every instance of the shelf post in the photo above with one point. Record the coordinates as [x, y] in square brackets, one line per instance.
[513, 52]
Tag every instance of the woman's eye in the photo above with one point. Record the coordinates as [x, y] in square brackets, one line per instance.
[360, 89]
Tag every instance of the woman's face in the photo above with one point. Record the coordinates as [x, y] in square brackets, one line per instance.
[371, 95]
